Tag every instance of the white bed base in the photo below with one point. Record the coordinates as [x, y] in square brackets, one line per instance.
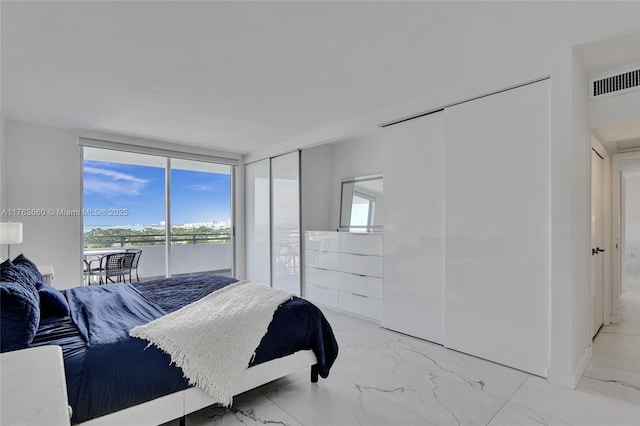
[179, 404]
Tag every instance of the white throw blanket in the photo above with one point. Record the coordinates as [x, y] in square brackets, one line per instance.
[214, 338]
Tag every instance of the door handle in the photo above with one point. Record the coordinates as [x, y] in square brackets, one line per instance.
[600, 250]
[596, 250]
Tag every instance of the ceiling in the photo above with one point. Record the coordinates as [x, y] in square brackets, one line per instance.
[242, 76]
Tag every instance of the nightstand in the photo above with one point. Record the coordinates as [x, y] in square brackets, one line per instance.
[34, 390]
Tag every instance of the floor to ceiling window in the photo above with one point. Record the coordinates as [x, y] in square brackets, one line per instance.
[177, 211]
[200, 206]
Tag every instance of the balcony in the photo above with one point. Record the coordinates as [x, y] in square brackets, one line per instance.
[190, 253]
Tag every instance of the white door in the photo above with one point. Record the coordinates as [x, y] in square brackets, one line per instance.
[497, 246]
[258, 222]
[596, 241]
[285, 222]
[414, 227]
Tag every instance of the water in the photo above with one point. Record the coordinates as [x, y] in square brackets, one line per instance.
[88, 228]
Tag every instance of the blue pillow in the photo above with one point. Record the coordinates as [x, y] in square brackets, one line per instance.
[52, 302]
[10, 273]
[28, 268]
[19, 315]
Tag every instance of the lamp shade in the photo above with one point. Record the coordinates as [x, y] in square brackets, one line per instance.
[10, 233]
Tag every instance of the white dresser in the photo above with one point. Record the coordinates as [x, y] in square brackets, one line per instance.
[343, 270]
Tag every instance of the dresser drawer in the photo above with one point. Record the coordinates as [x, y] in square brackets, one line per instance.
[361, 305]
[321, 241]
[321, 259]
[322, 295]
[361, 264]
[363, 285]
[361, 243]
[322, 277]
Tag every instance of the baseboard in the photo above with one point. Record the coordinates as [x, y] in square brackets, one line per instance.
[583, 364]
[571, 380]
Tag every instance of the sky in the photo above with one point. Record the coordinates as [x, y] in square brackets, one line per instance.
[134, 195]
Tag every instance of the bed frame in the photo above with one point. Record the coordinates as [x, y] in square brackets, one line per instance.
[177, 405]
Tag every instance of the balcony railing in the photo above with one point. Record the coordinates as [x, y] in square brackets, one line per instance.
[103, 241]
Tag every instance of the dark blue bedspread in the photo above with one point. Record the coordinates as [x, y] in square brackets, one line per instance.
[174, 293]
[106, 370]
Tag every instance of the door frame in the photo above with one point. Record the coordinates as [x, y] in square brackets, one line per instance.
[607, 226]
[597, 323]
[616, 228]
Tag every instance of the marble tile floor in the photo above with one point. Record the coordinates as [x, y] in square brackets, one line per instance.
[384, 378]
[615, 366]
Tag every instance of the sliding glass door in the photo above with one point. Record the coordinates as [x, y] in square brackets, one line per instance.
[178, 212]
[124, 208]
[200, 205]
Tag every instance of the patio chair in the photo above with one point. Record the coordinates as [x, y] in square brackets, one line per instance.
[114, 267]
[134, 265]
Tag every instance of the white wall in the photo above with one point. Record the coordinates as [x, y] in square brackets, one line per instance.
[316, 181]
[2, 154]
[324, 167]
[42, 171]
[239, 246]
[2, 161]
[353, 157]
[581, 220]
[617, 108]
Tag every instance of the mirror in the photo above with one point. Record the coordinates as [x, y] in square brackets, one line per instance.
[361, 204]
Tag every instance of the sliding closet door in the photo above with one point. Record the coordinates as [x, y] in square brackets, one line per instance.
[258, 220]
[498, 227]
[285, 222]
[414, 227]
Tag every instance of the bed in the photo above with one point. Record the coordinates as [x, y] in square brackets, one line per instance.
[113, 378]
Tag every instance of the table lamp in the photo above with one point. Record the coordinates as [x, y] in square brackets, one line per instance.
[10, 233]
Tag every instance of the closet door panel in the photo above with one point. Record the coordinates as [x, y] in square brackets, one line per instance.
[285, 222]
[414, 227]
[257, 205]
[498, 227]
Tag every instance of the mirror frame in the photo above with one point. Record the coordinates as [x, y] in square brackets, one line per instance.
[346, 227]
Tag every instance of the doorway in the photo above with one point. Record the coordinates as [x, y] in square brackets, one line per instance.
[614, 368]
[630, 213]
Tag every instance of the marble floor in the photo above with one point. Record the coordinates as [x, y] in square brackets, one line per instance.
[615, 366]
[384, 378]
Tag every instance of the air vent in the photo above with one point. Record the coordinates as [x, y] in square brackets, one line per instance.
[615, 84]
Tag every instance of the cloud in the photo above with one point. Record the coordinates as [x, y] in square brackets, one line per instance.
[111, 182]
[204, 188]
